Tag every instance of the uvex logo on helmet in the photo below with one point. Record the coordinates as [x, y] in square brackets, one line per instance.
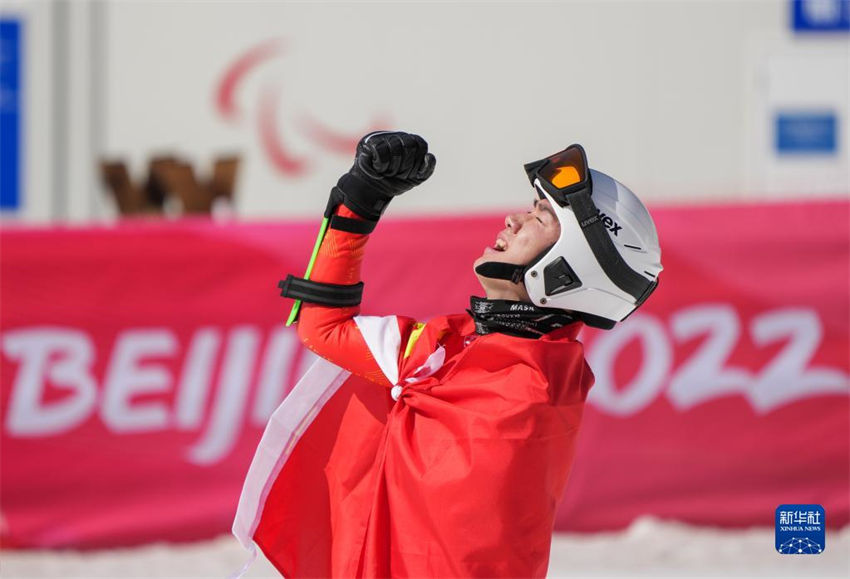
[609, 223]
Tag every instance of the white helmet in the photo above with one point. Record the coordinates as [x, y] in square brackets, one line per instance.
[607, 259]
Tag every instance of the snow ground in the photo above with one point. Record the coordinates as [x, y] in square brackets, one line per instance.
[649, 548]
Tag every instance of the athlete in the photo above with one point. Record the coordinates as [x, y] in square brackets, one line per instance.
[442, 448]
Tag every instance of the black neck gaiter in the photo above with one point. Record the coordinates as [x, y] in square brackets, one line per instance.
[520, 319]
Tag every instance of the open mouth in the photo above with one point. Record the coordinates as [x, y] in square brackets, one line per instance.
[499, 246]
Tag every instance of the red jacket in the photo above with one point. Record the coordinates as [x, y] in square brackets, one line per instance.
[425, 450]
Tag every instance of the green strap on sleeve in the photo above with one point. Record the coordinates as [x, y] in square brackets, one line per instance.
[296, 307]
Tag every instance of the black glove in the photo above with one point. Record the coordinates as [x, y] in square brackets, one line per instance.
[386, 164]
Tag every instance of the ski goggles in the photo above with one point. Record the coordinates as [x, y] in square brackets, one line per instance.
[561, 175]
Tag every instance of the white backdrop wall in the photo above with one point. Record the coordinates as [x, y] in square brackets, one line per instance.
[675, 99]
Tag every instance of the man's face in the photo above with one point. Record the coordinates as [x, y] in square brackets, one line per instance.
[525, 236]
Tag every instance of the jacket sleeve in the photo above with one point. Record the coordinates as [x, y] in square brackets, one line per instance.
[332, 332]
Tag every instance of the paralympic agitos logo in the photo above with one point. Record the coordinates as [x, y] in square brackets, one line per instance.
[275, 138]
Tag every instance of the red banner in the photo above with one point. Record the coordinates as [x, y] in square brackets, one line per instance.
[140, 363]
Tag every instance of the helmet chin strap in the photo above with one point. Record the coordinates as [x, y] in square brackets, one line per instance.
[497, 270]
[509, 271]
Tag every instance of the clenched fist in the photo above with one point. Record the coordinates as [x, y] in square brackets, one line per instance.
[393, 162]
[386, 164]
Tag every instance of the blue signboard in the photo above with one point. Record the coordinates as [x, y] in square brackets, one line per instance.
[808, 133]
[820, 15]
[10, 114]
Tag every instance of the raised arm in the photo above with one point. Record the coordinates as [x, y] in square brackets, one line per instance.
[386, 164]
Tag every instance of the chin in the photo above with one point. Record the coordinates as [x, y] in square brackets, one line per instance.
[491, 254]
[478, 261]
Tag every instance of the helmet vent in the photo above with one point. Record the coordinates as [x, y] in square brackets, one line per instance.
[632, 247]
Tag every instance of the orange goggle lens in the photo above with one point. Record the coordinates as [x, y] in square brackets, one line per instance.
[566, 168]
